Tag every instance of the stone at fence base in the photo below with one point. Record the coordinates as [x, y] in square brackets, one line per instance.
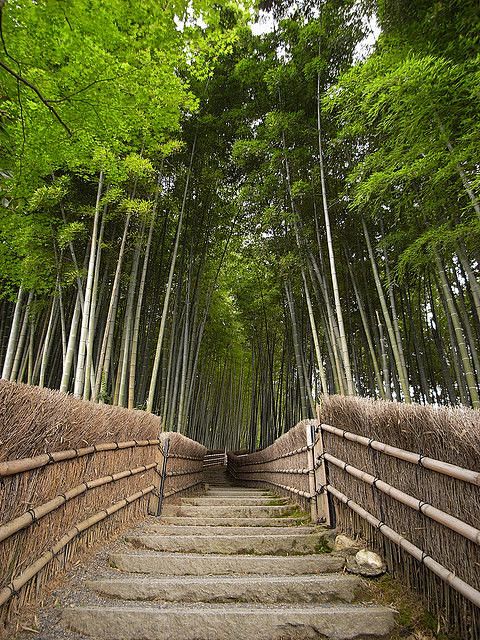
[366, 563]
[344, 543]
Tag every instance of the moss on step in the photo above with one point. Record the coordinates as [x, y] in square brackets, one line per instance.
[323, 546]
[294, 511]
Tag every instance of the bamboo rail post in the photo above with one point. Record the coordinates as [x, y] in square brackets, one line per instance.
[321, 477]
[311, 472]
[161, 488]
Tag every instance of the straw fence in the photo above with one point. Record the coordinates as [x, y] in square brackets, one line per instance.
[404, 477]
[283, 465]
[73, 473]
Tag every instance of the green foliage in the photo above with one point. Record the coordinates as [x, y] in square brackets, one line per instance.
[48, 196]
[69, 232]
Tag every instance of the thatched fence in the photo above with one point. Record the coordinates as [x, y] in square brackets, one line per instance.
[73, 473]
[284, 465]
[404, 477]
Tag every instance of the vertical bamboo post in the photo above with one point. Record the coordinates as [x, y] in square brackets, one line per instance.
[311, 472]
[321, 477]
[161, 490]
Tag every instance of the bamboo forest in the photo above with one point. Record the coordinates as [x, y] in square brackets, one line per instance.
[220, 211]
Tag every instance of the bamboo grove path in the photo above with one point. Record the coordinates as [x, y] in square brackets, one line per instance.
[234, 563]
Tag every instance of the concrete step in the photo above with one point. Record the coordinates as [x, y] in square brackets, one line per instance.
[226, 512]
[229, 622]
[231, 522]
[262, 544]
[192, 530]
[220, 501]
[254, 589]
[190, 564]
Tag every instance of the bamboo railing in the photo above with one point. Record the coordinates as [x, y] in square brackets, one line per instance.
[120, 483]
[324, 478]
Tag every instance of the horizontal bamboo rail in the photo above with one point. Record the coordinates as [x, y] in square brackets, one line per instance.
[179, 456]
[12, 467]
[235, 472]
[302, 472]
[298, 492]
[174, 474]
[33, 515]
[445, 468]
[289, 454]
[443, 573]
[460, 527]
[32, 570]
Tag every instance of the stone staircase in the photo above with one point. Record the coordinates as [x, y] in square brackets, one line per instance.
[235, 564]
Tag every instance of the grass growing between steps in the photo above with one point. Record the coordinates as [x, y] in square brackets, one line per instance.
[414, 622]
[323, 546]
[294, 511]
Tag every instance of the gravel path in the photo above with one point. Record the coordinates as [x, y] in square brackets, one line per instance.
[69, 591]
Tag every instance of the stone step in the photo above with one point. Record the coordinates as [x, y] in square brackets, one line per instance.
[254, 589]
[238, 493]
[229, 622]
[226, 512]
[193, 530]
[219, 501]
[190, 564]
[231, 522]
[239, 489]
[262, 544]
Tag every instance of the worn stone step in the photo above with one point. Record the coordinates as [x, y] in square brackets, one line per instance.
[238, 494]
[237, 490]
[254, 589]
[190, 564]
[226, 512]
[231, 522]
[192, 530]
[229, 622]
[262, 544]
[219, 501]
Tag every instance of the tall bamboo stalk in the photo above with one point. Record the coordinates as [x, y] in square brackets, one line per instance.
[80, 368]
[399, 361]
[331, 254]
[168, 290]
